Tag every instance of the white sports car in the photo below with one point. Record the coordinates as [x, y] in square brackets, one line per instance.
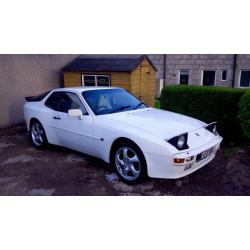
[112, 124]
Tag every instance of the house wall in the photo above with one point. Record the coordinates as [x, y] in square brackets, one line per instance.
[243, 63]
[118, 79]
[196, 64]
[158, 61]
[26, 75]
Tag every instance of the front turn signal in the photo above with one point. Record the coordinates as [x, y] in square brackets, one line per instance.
[179, 160]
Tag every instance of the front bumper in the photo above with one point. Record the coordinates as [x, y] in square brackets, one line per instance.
[160, 166]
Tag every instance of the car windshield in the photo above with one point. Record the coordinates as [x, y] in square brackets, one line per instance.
[108, 101]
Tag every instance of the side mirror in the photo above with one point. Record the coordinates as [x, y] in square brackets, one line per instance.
[75, 113]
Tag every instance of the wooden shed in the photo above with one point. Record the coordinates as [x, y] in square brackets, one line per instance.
[136, 74]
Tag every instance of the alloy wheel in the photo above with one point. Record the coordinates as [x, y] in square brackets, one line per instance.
[37, 134]
[128, 163]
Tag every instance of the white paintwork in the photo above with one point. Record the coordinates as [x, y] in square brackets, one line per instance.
[149, 128]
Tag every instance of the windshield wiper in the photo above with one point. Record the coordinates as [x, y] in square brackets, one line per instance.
[138, 105]
[120, 108]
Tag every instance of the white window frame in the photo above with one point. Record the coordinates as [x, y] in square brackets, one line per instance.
[179, 76]
[202, 74]
[240, 79]
[222, 75]
[95, 79]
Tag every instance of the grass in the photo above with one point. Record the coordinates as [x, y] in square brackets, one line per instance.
[157, 104]
[229, 152]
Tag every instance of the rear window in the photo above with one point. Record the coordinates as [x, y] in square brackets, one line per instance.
[53, 101]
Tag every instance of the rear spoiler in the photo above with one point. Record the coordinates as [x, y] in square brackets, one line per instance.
[29, 98]
[37, 98]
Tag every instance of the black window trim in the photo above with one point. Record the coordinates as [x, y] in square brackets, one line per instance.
[66, 91]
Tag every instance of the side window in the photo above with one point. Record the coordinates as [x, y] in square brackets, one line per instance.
[70, 101]
[53, 101]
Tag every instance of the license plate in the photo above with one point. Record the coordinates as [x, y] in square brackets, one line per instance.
[207, 153]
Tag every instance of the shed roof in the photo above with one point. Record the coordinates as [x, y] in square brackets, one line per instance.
[106, 64]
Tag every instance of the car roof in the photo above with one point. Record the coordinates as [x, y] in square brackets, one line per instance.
[81, 89]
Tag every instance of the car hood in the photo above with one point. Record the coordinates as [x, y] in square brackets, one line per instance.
[161, 123]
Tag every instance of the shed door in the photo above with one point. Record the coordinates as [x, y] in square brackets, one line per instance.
[145, 86]
[143, 83]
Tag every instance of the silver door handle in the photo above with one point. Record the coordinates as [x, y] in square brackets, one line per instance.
[56, 117]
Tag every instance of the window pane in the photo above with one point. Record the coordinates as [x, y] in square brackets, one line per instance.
[89, 80]
[224, 75]
[103, 81]
[245, 79]
[184, 76]
[208, 78]
[70, 101]
[107, 101]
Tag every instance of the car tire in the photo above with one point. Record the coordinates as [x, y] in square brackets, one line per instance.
[38, 135]
[129, 162]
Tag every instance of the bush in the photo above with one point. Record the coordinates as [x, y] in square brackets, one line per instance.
[207, 104]
[244, 113]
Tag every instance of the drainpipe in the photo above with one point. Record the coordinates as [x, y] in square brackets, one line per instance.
[234, 70]
[164, 68]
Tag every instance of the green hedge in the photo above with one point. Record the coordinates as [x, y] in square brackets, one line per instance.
[208, 104]
[245, 113]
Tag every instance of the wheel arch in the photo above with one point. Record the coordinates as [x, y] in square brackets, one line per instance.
[32, 120]
[119, 140]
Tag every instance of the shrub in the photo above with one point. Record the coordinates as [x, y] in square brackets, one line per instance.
[207, 104]
[244, 113]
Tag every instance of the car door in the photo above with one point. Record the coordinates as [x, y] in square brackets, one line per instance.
[73, 132]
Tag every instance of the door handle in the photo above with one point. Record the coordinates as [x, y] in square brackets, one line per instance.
[56, 117]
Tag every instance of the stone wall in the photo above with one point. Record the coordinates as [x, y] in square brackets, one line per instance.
[158, 61]
[243, 63]
[196, 64]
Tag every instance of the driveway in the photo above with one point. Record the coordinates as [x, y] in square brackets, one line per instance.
[25, 170]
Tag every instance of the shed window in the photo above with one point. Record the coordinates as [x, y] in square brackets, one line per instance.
[89, 80]
[245, 78]
[96, 80]
[224, 75]
[184, 76]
